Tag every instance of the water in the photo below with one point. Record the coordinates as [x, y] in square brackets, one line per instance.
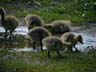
[89, 42]
[28, 49]
[21, 30]
[20, 44]
[2, 29]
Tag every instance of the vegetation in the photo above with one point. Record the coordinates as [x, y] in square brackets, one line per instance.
[74, 10]
[38, 62]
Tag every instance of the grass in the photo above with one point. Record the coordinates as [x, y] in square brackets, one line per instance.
[39, 62]
[68, 10]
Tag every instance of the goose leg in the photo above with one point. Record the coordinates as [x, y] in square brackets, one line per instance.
[34, 43]
[49, 54]
[41, 45]
[41, 37]
[11, 36]
[76, 49]
[5, 36]
[58, 53]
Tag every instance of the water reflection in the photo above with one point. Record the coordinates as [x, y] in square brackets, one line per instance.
[18, 42]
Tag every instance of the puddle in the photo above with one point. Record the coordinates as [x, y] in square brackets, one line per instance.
[28, 49]
[89, 42]
[89, 39]
[21, 30]
[2, 29]
[23, 49]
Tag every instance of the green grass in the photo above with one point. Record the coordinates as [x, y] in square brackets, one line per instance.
[39, 62]
[68, 10]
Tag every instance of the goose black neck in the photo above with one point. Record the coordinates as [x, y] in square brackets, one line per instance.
[2, 17]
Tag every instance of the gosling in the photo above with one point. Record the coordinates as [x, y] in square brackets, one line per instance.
[37, 34]
[70, 37]
[58, 27]
[33, 21]
[8, 22]
[54, 43]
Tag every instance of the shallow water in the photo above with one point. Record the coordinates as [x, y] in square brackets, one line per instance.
[21, 44]
[89, 41]
[21, 30]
